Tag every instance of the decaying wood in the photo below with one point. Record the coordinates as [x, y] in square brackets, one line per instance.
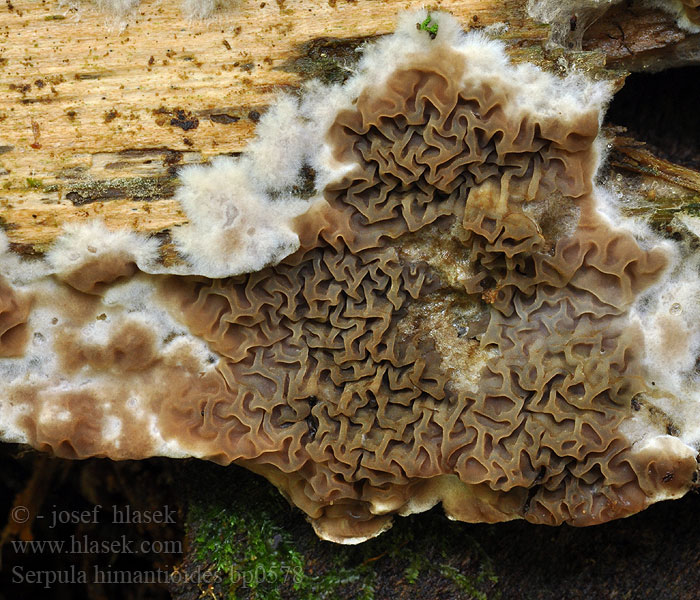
[642, 39]
[631, 155]
[97, 116]
[652, 187]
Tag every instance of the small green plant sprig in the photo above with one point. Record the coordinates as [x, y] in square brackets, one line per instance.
[428, 25]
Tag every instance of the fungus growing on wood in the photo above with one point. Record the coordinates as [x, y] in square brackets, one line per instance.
[450, 317]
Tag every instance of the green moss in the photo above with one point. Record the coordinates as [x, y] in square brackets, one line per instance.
[33, 183]
[259, 547]
[257, 556]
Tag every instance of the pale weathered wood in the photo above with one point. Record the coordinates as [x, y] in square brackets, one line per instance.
[96, 116]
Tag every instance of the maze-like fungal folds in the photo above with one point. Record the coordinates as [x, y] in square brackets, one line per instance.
[451, 319]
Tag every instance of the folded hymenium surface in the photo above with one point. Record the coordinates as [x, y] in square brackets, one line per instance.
[449, 316]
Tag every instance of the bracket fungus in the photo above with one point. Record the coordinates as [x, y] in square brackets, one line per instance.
[455, 315]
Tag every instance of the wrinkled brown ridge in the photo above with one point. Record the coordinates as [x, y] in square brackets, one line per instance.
[334, 381]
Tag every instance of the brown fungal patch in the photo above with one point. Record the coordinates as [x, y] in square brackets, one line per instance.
[114, 418]
[94, 276]
[524, 413]
[131, 347]
[184, 120]
[14, 312]
[109, 378]
[664, 473]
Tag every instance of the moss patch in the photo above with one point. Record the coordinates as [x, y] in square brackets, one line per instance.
[247, 542]
[327, 59]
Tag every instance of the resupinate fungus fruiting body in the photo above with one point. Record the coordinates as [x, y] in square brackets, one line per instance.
[456, 315]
